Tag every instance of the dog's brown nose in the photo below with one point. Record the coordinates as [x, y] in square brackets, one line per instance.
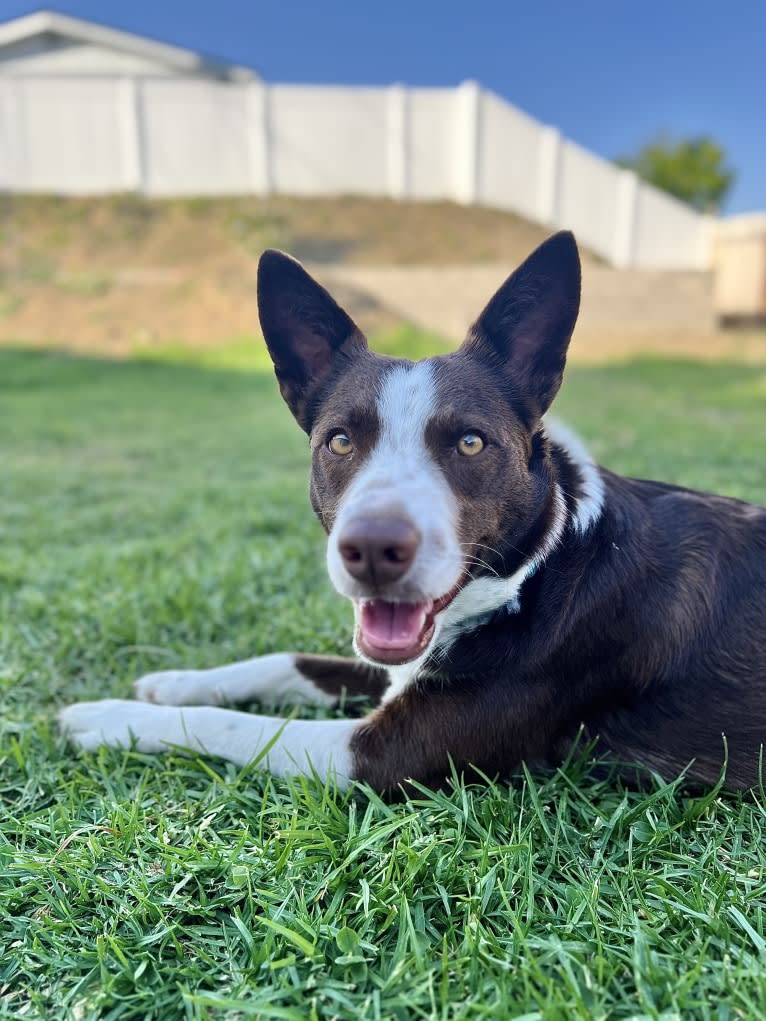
[378, 550]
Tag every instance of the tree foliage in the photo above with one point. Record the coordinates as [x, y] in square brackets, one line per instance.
[693, 169]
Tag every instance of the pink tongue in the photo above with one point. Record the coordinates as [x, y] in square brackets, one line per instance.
[393, 625]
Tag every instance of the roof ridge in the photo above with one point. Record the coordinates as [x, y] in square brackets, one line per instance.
[181, 58]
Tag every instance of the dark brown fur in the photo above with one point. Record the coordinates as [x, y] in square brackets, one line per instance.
[336, 674]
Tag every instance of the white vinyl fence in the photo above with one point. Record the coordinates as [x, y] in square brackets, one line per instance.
[185, 136]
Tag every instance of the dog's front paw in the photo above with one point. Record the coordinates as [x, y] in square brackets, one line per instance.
[175, 687]
[116, 722]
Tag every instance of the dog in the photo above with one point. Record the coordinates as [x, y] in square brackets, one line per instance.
[509, 594]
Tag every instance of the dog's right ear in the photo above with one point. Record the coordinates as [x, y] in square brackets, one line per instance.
[524, 331]
[307, 333]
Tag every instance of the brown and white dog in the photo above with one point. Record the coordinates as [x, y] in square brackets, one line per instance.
[507, 591]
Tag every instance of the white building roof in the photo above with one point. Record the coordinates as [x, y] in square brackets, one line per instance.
[19, 34]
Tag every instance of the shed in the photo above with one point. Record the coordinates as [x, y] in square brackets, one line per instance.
[48, 43]
[739, 262]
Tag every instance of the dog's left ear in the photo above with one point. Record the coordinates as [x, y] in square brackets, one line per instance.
[526, 327]
[308, 334]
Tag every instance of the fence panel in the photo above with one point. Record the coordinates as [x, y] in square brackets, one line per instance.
[508, 157]
[587, 199]
[432, 143]
[61, 135]
[195, 137]
[327, 140]
[668, 233]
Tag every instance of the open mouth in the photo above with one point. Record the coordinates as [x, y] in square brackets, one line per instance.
[395, 633]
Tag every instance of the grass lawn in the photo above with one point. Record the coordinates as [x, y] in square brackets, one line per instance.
[154, 514]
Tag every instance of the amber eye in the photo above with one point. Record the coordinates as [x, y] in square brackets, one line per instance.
[340, 444]
[470, 444]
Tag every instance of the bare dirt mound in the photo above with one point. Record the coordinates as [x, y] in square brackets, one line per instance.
[117, 272]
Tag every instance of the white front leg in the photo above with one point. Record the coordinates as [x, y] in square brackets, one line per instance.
[271, 679]
[295, 747]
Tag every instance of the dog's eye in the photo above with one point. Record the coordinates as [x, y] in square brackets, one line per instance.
[340, 444]
[470, 444]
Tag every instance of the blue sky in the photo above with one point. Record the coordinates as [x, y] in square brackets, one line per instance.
[609, 75]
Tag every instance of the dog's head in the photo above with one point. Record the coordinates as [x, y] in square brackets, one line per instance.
[432, 479]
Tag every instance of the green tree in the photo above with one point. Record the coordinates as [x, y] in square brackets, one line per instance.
[693, 169]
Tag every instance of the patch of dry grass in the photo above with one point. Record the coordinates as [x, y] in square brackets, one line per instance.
[116, 274]
[107, 274]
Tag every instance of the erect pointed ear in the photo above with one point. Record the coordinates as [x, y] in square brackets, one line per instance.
[308, 334]
[525, 329]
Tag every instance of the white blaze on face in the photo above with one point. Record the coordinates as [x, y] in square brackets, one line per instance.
[401, 478]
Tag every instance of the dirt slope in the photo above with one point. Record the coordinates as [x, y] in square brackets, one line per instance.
[115, 272]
